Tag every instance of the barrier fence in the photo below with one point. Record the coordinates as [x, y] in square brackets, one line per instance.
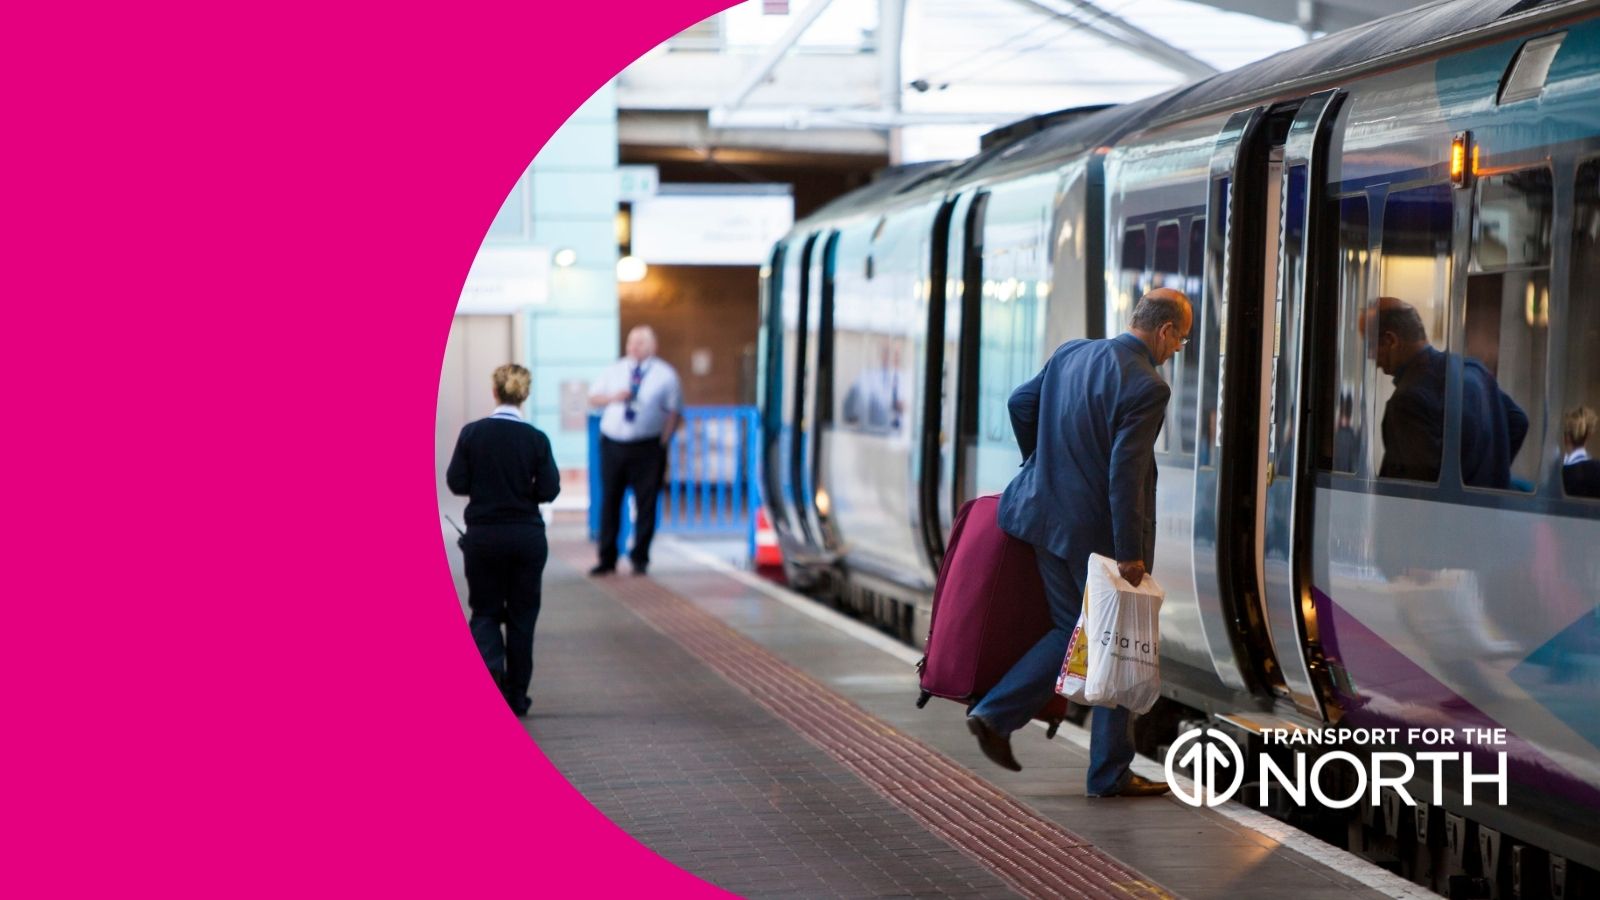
[711, 486]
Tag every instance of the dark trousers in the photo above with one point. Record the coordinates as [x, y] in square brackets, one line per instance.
[505, 568]
[640, 465]
[1032, 681]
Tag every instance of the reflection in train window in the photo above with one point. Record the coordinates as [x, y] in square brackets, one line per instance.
[1346, 452]
[1579, 394]
[870, 372]
[1016, 280]
[1405, 337]
[1130, 280]
[1507, 331]
[1189, 357]
[1169, 246]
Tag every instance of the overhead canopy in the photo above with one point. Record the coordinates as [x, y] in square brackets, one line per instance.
[923, 79]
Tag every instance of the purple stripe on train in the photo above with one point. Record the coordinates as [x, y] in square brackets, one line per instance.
[1382, 688]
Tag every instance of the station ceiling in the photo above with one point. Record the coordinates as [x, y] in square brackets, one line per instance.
[907, 80]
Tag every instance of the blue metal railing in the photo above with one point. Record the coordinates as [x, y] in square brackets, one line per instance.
[712, 484]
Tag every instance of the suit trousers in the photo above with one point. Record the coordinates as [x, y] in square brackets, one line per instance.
[1030, 683]
[640, 465]
[505, 571]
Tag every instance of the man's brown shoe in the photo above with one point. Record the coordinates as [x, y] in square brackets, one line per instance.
[1138, 786]
[994, 745]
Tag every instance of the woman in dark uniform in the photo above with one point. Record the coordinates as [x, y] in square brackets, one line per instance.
[504, 466]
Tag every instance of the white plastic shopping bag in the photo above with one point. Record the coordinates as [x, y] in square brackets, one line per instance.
[1121, 626]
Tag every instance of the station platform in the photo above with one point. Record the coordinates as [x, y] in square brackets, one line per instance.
[772, 747]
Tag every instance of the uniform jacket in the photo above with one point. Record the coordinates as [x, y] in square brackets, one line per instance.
[1087, 426]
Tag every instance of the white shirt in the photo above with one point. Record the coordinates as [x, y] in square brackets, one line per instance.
[659, 395]
[506, 411]
[1576, 456]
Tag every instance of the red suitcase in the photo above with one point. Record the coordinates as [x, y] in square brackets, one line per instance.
[989, 609]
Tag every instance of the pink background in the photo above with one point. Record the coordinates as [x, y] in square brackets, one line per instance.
[233, 660]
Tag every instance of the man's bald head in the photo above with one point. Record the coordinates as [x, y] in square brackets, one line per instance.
[1162, 319]
[1399, 334]
[1161, 306]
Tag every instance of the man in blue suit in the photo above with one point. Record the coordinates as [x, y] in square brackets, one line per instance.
[1087, 426]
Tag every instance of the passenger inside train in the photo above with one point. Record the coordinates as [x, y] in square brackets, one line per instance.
[1493, 426]
[1579, 472]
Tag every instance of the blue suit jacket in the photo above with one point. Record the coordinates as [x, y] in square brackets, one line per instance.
[1087, 426]
[1493, 426]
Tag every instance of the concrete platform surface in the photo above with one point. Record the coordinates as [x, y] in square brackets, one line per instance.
[772, 747]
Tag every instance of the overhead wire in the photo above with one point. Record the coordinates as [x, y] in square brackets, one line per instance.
[1068, 19]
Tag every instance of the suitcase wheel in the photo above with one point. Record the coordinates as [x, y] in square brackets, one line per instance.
[923, 700]
[1050, 732]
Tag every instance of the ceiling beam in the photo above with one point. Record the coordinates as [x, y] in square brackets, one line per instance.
[1126, 35]
[775, 54]
[802, 117]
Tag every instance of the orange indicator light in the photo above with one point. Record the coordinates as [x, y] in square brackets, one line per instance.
[1458, 158]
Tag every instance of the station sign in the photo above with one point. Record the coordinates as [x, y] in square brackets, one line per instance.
[505, 279]
[711, 224]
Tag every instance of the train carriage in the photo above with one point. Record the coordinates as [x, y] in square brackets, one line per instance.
[1448, 157]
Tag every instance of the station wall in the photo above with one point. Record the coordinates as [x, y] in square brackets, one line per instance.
[701, 314]
[566, 199]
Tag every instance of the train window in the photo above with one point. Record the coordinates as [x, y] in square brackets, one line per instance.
[1016, 272]
[1580, 389]
[1507, 331]
[1169, 243]
[870, 387]
[1404, 331]
[1346, 453]
[1512, 224]
[1189, 358]
[1130, 281]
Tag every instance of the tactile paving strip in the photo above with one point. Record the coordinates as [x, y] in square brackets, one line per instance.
[1034, 855]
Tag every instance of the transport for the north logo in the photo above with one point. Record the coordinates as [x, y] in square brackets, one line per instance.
[1215, 766]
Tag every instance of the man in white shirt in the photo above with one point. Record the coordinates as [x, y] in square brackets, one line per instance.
[643, 404]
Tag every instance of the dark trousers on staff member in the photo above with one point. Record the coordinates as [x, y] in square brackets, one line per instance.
[504, 565]
[641, 465]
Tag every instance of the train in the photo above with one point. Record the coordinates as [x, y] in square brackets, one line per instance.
[1447, 156]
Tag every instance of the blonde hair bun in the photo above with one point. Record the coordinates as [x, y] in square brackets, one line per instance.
[511, 384]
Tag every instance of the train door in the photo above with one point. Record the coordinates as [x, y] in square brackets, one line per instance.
[772, 370]
[1232, 229]
[937, 394]
[817, 415]
[958, 281]
[1251, 515]
[783, 372]
[798, 474]
[968, 339]
[1288, 454]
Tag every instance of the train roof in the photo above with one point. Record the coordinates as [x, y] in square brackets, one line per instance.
[1050, 139]
[1055, 144]
[1063, 134]
[889, 183]
[1374, 43]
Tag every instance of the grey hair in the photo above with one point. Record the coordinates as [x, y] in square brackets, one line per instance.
[1155, 310]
